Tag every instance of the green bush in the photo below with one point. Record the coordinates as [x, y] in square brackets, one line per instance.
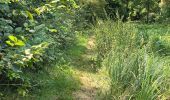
[29, 41]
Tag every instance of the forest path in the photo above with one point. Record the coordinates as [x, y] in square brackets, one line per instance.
[92, 81]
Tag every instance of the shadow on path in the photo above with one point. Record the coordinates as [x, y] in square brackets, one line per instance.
[83, 54]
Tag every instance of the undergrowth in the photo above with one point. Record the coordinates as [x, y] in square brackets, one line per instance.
[137, 60]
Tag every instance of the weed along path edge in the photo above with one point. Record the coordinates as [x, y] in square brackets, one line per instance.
[92, 82]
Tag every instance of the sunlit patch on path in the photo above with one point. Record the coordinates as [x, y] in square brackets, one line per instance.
[91, 82]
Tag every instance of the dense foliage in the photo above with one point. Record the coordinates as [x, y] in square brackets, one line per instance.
[129, 10]
[36, 34]
[27, 29]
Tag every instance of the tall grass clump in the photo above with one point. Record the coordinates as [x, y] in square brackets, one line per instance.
[136, 73]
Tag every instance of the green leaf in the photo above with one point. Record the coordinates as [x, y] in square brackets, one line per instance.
[18, 29]
[55, 1]
[37, 11]
[9, 43]
[29, 15]
[25, 24]
[15, 40]
[12, 38]
[53, 30]
[20, 43]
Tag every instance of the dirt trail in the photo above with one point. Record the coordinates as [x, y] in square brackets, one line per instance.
[91, 82]
[88, 89]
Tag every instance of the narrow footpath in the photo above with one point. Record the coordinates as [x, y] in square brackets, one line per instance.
[93, 81]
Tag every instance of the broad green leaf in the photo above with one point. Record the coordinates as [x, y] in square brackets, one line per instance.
[15, 40]
[9, 43]
[25, 24]
[12, 38]
[19, 43]
[18, 29]
[29, 15]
